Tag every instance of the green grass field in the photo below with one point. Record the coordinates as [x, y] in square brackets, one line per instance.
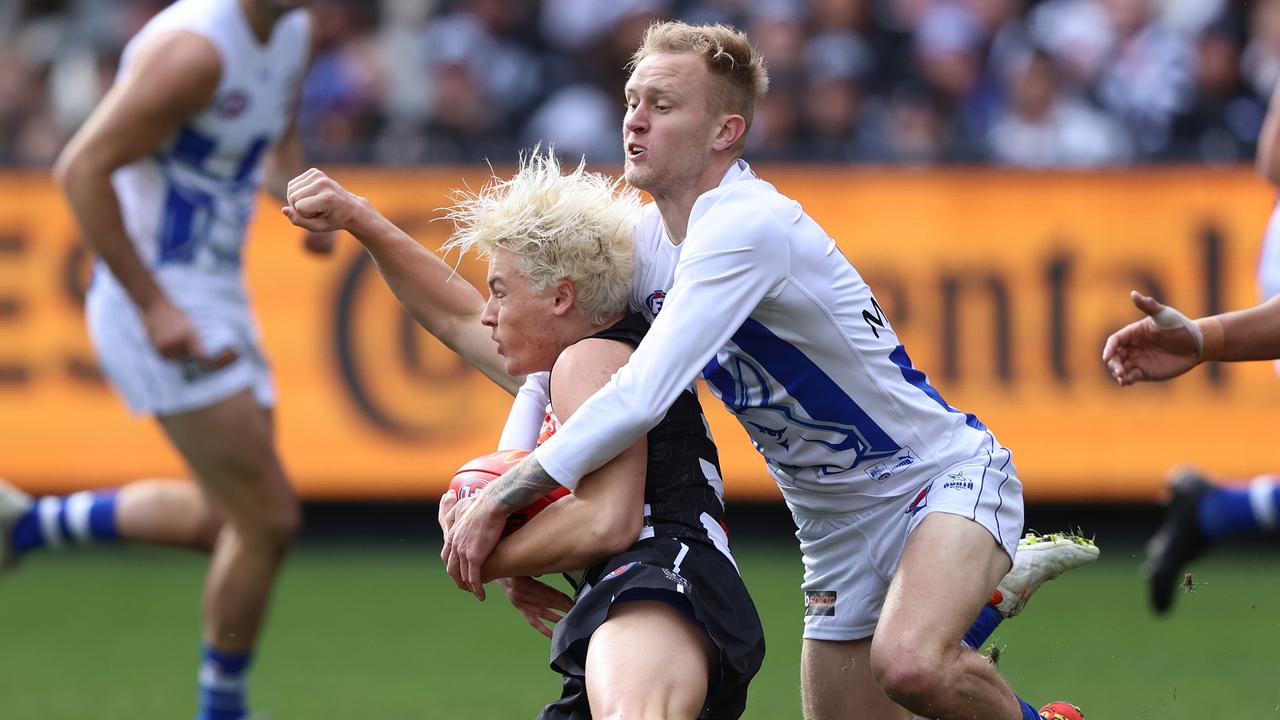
[377, 631]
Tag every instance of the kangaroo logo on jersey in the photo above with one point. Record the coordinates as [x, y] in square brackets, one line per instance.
[783, 427]
[231, 104]
[654, 301]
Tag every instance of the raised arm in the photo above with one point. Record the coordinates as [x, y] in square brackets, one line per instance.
[437, 297]
[1166, 343]
[171, 78]
[604, 515]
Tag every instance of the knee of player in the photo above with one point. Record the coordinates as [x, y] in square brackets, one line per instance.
[907, 674]
[205, 533]
[272, 524]
[283, 522]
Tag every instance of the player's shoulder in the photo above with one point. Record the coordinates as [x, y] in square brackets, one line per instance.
[586, 366]
[746, 200]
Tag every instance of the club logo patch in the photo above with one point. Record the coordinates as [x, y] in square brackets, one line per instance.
[231, 103]
[654, 301]
[622, 568]
[819, 603]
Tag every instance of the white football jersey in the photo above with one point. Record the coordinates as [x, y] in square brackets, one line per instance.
[1269, 259]
[188, 204]
[761, 303]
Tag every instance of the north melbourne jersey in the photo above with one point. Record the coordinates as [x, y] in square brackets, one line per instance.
[761, 303]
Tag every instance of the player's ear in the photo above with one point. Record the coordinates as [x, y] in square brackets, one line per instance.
[732, 127]
[565, 297]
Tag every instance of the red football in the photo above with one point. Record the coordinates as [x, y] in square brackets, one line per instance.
[475, 474]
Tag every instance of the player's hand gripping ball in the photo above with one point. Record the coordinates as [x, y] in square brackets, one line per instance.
[475, 474]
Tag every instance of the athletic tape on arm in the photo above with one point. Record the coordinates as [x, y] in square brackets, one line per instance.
[1170, 319]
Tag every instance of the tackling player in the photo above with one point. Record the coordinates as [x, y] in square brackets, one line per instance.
[908, 511]
[162, 179]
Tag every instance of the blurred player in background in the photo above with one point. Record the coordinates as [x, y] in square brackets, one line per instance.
[896, 484]
[163, 179]
[1167, 344]
[662, 626]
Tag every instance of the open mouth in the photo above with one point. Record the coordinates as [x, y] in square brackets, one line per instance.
[635, 151]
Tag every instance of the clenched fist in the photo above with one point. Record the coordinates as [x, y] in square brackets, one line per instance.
[319, 204]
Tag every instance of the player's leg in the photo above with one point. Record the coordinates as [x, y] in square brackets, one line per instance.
[836, 682]
[230, 447]
[848, 561]
[159, 512]
[946, 574]
[830, 677]
[174, 513]
[1199, 514]
[648, 661]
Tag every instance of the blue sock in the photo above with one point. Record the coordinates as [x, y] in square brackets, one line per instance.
[1236, 511]
[1028, 712]
[222, 685]
[988, 619]
[79, 519]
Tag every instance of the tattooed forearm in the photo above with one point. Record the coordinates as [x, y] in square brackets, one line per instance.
[521, 485]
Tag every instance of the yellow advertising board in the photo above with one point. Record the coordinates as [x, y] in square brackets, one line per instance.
[1002, 284]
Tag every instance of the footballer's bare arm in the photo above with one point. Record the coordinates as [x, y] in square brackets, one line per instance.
[172, 77]
[605, 513]
[442, 302]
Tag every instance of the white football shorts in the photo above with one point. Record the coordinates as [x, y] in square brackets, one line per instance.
[850, 558]
[152, 385]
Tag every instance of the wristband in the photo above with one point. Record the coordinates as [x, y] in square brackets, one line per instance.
[1214, 335]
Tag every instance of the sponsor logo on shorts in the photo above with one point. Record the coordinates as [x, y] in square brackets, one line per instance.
[622, 568]
[194, 369]
[957, 481]
[886, 469]
[654, 301]
[819, 602]
[681, 584]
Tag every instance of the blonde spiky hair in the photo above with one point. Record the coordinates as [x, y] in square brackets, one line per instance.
[574, 226]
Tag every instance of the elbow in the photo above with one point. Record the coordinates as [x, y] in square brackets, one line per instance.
[1270, 171]
[613, 535]
[64, 167]
[74, 167]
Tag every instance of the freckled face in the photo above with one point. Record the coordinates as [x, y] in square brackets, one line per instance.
[520, 317]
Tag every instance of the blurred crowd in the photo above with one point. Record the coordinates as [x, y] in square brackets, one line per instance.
[1034, 83]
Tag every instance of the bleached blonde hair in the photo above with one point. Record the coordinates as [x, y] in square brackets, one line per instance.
[733, 61]
[575, 227]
